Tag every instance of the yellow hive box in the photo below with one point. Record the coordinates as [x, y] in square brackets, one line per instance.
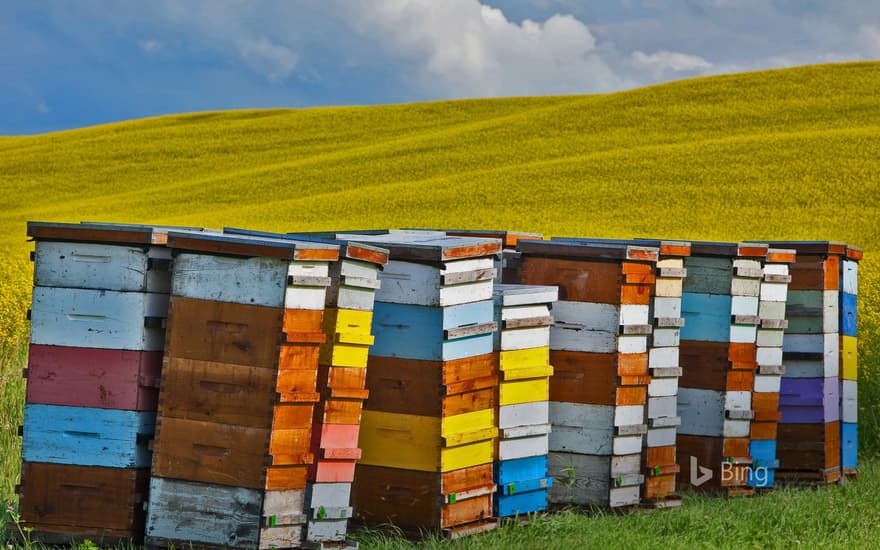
[849, 358]
[524, 391]
[523, 358]
[428, 443]
[349, 339]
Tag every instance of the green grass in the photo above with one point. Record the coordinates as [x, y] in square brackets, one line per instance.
[788, 154]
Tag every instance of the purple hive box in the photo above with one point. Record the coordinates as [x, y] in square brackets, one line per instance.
[809, 400]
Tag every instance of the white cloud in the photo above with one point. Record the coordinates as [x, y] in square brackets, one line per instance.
[663, 61]
[463, 48]
[868, 37]
[271, 60]
[42, 108]
[150, 46]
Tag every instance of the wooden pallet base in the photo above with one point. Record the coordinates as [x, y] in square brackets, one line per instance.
[452, 533]
[69, 538]
[343, 545]
[851, 473]
[809, 477]
[659, 504]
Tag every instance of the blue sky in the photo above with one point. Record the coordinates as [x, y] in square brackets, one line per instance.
[67, 64]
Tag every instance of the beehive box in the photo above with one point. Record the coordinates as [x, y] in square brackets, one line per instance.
[238, 393]
[599, 352]
[99, 304]
[818, 394]
[522, 344]
[428, 431]
[719, 360]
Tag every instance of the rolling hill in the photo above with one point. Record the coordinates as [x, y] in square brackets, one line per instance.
[788, 154]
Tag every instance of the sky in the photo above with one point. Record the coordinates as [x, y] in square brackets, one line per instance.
[68, 64]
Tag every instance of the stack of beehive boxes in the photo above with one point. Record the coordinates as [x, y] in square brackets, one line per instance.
[428, 431]
[236, 404]
[661, 469]
[769, 341]
[99, 301]
[660, 463]
[522, 342]
[849, 434]
[599, 352]
[341, 384]
[718, 352]
[818, 355]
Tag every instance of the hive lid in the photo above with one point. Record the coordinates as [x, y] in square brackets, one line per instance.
[589, 250]
[352, 250]
[103, 232]
[508, 238]
[421, 246]
[252, 245]
[811, 247]
[667, 248]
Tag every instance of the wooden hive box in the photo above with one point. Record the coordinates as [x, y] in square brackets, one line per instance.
[815, 354]
[719, 360]
[599, 352]
[429, 421]
[99, 305]
[238, 393]
[66, 504]
[522, 345]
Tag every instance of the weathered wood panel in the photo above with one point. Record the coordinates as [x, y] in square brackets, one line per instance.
[224, 332]
[701, 412]
[97, 318]
[409, 499]
[253, 281]
[218, 392]
[523, 447]
[590, 480]
[455, 282]
[708, 275]
[580, 377]
[707, 317]
[523, 391]
[581, 281]
[704, 365]
[102, 267]
[523, 414]
[211, 453]
[283, 519]
[86, 436]
[582, 428]
[184, 512]
[808, 447]
[812, 311]
[62, 499]
[418, 332]
[91, 377]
